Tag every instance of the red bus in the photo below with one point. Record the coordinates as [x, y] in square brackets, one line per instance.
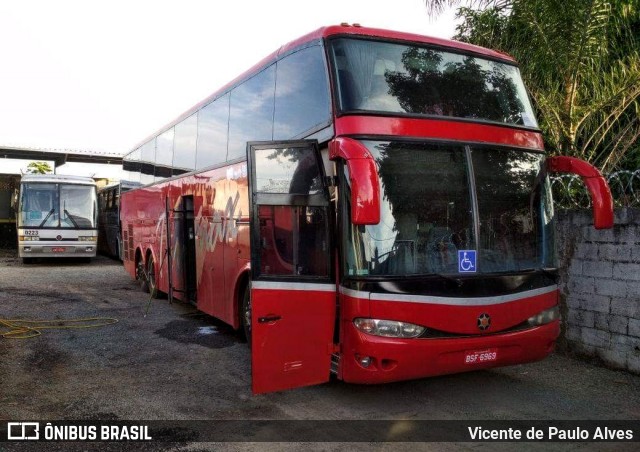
[364, 202]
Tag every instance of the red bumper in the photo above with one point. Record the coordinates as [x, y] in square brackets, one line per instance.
[405, 359]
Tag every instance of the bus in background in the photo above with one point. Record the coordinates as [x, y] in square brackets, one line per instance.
[57, 217]
[365, 202]
[8, 203]
[109, 230]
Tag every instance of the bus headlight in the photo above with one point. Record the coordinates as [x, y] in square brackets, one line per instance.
[88, 238]
[544, 317]
[28, 238]
[388, 328]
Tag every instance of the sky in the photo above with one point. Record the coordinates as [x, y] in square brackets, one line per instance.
[104, 75]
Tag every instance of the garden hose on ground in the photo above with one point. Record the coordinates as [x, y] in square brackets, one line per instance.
[26, 329]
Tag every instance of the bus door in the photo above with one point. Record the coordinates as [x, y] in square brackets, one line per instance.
[189, 253]
[182, 251]
[293, 297]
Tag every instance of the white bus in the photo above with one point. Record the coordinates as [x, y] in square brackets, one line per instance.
[57, 217]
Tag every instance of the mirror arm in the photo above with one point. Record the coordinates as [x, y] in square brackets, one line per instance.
[363, 175]
[601, 198]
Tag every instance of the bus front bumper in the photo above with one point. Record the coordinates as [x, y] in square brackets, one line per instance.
[57, 249]
[371, 359]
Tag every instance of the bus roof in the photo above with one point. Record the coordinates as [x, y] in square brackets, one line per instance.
[57, 179]
[123, 184]
[357, 30]
[333, 31]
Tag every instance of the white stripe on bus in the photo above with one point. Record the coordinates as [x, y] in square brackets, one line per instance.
[277, 285]
[466, 301]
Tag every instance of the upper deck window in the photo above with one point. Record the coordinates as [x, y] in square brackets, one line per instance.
[376, 76]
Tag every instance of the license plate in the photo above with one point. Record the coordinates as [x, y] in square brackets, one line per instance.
[481, 356]
[57, 250]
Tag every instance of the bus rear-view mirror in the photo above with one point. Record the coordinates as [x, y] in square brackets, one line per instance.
[599, 191]
[363, 178]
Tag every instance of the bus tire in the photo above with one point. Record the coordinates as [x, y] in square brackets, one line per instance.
[141, 276]
[245, 315]
[151, 278]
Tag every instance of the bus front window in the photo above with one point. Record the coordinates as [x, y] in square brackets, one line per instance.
[39, 205]
[45, 205]
[78, 206]
[389, 77]
[426, 212]
[428, 202]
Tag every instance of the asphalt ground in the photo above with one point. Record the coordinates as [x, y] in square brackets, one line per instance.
[164, 361]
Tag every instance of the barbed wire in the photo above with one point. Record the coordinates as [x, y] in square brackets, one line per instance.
[569, 192]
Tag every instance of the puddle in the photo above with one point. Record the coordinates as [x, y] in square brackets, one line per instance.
[205, 330]
[200, 332]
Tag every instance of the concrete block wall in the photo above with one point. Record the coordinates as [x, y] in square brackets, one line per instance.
[600, 287]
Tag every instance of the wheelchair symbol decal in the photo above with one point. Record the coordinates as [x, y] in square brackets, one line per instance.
[466, 261]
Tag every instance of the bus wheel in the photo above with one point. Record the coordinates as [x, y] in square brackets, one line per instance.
[246, 314]
[141, 276]
[151, 278]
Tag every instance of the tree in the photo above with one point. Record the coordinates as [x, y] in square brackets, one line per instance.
[580, 60]
[39, 168]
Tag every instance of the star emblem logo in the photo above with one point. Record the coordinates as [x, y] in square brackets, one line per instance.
[484, 321]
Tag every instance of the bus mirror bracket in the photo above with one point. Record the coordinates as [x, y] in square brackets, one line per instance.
[599, 191]
[14, 200]
[363, 176]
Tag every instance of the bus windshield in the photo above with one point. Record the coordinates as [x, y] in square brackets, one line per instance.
[377, 76]
[437, 199]
[50, 205]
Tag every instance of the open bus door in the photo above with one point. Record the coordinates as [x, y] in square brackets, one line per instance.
[293, 297]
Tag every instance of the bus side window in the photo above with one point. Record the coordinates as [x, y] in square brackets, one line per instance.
[294, 241]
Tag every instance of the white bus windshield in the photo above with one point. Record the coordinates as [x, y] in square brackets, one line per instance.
[385, 77]
[49, 205]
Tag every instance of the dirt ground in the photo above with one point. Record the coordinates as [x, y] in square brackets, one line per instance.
[177, 364]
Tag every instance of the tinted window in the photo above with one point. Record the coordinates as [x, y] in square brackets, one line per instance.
[184, 150]
[127, 166]
[427, 220]
[148, 151]
[288, 170]
[515, 210]
[148, 157]
[251, 113]
[425, 214]
[164, 154]
[302, 94]
[294, 241]
[213, 123]
[396, 78]
[131, 166]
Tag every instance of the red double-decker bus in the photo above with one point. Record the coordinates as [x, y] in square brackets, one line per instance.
[365, 202]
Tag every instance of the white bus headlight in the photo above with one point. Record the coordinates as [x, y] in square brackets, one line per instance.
[544, 317]
[87, 238]
[28, 238]
[388, 328]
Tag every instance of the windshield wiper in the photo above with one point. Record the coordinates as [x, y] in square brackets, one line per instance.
[453, 279]
[71, 218]
[549, 271]
[47, 217]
